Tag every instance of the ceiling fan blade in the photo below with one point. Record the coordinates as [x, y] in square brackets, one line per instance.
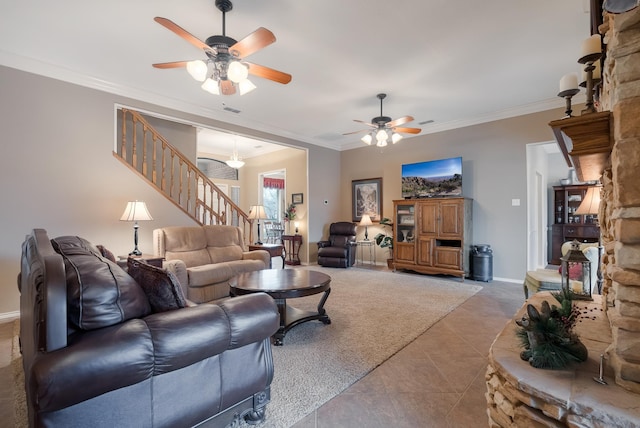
[227, 87]
[268, 73]
[366, 123]
[399, 121]
[356, 132]
[175, 64]
[170, 25]
[252, 43]
[407, 130]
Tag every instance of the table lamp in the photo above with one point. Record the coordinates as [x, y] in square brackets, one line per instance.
[257, 212]
[365, 221]
[590, 206]
[136, 211]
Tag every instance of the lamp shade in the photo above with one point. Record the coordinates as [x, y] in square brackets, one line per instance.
[365, 220]
[237, 72]
[257, 212]
[136, 211]
[591, 203]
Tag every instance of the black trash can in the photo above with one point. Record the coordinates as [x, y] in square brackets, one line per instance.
[481, 263]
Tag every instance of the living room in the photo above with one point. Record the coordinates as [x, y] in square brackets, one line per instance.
[60, 174]
[70, 153]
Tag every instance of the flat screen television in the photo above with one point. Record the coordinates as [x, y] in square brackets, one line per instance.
[430, 179]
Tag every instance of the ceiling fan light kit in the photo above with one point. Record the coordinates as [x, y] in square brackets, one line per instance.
[385, 129]
[225, 67]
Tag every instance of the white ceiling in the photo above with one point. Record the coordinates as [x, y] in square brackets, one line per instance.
[454, 62]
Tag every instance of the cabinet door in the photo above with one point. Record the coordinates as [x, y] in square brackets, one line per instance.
[450, 220]
[404, 252]
[425, 248]
[447, 257]
[428, 218]
[557, 238]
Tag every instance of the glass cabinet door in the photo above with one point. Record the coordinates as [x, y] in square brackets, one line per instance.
[405, 223]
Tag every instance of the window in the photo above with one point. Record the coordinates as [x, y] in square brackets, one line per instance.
[273, 195]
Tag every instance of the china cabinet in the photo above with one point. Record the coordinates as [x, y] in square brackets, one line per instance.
[567, 224]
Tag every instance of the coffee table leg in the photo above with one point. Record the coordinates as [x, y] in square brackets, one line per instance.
[323, 314]
[291, 317]
[278, 337]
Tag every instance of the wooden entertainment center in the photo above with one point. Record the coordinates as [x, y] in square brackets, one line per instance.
[430, 235]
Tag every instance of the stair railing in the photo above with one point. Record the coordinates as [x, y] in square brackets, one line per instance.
[150, 155]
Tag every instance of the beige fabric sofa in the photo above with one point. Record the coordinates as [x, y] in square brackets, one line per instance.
[205, 258]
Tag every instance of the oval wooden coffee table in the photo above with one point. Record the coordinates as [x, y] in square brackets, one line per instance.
[283, 285]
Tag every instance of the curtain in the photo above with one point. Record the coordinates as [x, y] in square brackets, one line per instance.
[273, 183]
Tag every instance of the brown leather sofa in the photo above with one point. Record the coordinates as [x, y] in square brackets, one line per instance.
[99, 352]
[205, 258]
[340, 249]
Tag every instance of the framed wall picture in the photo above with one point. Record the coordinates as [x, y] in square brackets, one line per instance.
[296, 198]
[366, 197]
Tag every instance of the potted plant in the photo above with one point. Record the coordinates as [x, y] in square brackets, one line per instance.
[385, 240]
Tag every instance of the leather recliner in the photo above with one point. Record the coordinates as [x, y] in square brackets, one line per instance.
[97, 354]
[340, 249]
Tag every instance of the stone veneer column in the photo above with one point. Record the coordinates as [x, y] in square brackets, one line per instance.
[620, 210]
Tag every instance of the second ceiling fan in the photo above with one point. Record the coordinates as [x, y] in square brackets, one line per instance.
[384, 127]
[225, 67]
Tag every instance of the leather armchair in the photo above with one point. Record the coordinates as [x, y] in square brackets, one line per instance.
[340, 249]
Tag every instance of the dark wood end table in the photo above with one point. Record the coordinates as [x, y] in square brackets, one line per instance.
[149, 258]
[274, 250]
[292, 244]
[283, 285]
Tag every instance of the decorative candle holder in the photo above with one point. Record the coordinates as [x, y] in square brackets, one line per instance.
[567, 94]
[588, 60]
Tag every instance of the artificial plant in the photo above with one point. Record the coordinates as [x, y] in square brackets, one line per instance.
[548, 336]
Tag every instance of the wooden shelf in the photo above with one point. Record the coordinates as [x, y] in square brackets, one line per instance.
[586, 142]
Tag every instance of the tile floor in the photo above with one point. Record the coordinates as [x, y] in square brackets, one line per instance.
[436, 381]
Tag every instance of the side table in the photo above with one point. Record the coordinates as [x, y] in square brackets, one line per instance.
[372, 250]
[274, 250]
[292, 245]
[149, 258]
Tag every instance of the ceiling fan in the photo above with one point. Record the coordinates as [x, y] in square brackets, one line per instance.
[384, 127]
[225, 69]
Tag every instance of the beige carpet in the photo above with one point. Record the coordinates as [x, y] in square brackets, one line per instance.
[374, 314]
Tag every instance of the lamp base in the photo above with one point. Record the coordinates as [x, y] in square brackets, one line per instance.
[135, 252]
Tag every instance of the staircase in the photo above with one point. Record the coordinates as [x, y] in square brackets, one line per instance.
[150, 155]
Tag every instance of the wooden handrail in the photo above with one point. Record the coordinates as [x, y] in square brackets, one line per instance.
[153, 158]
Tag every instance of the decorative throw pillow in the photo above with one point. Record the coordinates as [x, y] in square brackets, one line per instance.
[106, 253]
[161, 286]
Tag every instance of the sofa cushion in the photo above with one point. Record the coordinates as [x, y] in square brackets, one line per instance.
[94, 363]
[224, 243]
[200, 276]
[99, 292]
[161, 286]
[185, 243]
[225, 253]
[241, 266]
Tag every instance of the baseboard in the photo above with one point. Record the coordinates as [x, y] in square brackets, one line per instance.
[515, 281]
[9, 316]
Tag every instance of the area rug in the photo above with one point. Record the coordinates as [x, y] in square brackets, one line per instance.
[373, 315]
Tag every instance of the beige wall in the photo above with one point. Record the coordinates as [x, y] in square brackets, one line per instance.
[57, 171]
[494, 173]
[294, 163]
